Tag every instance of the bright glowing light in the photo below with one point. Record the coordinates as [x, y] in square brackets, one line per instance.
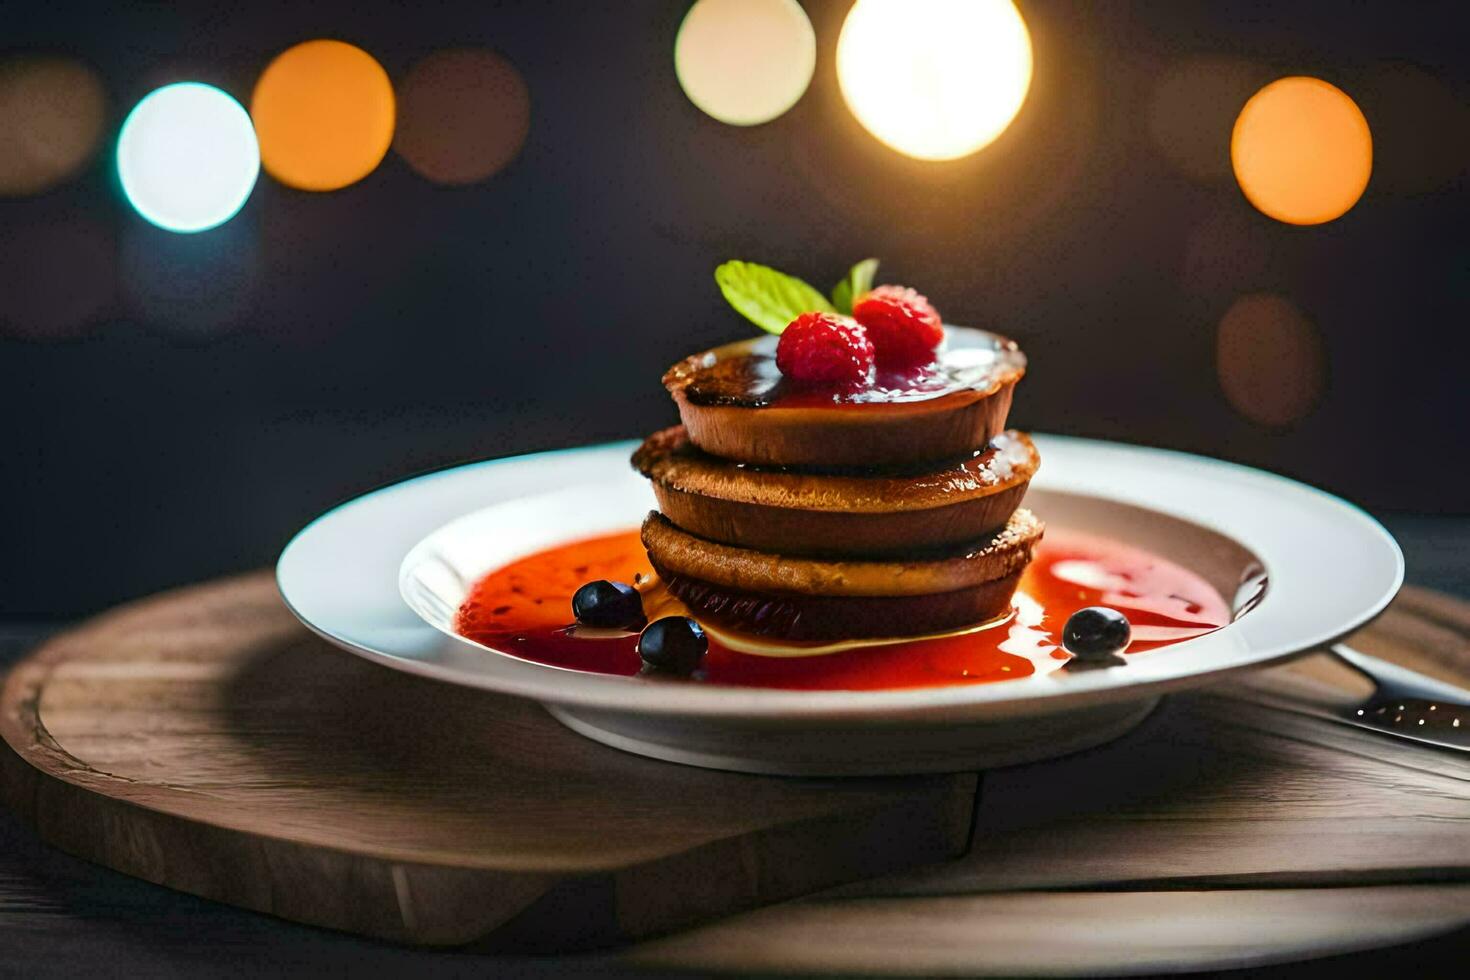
[1270, 359]
[324, 111]
[462, 115]
[51, 112]
[1302, 151]
[187, 157]
[934, 79]
[745, 62]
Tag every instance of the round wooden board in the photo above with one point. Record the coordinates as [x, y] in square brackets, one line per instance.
[205, 740]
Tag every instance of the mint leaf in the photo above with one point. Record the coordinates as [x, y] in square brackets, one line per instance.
[765, 297]
[859, 280]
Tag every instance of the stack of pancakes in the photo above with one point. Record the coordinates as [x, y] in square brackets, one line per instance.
[821, 516]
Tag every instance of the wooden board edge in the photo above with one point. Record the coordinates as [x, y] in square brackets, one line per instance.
[431, 905]
[278, 877]
[302, 883]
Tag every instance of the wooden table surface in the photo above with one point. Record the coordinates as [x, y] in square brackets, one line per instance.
[1139, 821]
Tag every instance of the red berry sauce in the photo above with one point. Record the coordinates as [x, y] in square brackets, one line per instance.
[524, 610]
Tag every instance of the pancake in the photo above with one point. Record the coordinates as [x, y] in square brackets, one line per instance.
[769, 594]
[876, 514]
[736, 404]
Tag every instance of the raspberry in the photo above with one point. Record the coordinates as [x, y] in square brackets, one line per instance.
[824, 348]
[902, 325]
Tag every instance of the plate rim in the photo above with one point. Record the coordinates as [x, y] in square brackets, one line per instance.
[785, 707]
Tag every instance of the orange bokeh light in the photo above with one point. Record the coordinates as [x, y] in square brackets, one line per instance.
[324, 113]
[1302, 151]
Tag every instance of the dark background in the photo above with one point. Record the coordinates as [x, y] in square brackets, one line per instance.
[244, 379]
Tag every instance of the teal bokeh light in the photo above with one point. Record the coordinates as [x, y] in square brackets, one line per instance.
[187, 157]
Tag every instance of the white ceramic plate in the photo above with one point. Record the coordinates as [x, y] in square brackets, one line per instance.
[382, 576]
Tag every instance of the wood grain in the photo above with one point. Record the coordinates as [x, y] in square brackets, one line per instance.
[1052, 934]
[206, 741]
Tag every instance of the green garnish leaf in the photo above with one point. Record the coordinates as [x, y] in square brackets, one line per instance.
[765, 297]
[859, 281]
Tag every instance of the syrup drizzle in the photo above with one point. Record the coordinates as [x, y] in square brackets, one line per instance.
[524, 610]
[745, 374]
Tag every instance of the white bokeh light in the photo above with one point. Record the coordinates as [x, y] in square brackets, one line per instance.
[187, 157]
[745, 62]
[934, 79]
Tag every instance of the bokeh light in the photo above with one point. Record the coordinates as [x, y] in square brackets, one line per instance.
[1270, 359]
[1302, 151]
[745, 62]
[187, 157]
[934, 79]
[462, 115]
[1193, 108]
[51, 112]
[324, 113]
[60, 276]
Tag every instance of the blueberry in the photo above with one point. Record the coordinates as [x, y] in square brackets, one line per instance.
[613, 604]
[675, 644]
[1096, 634]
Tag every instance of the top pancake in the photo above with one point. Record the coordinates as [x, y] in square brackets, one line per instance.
[736, 404]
